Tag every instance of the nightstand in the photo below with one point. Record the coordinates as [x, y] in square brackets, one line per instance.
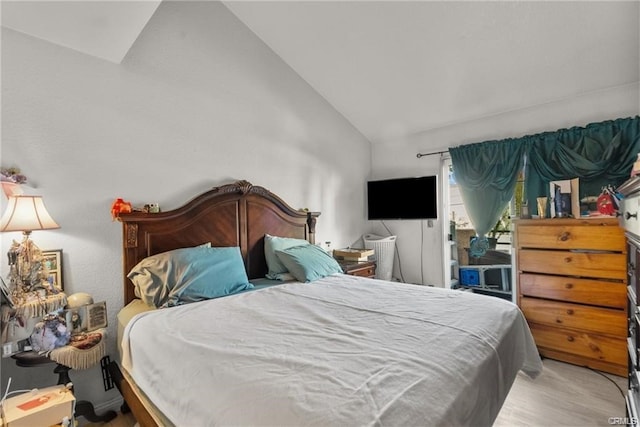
[358, 268]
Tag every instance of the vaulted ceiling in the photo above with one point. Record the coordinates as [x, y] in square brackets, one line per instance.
[395, 68]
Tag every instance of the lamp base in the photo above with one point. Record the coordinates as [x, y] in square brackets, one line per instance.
[27, 272]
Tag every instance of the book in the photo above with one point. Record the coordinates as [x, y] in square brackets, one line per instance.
[353, 254]
[567, 186]
[354, 259]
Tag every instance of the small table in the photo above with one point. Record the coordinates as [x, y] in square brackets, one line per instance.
[84, 408]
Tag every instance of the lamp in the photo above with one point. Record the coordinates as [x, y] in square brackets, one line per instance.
[26, 213]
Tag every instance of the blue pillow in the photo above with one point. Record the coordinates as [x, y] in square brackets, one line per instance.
[277, 270]
[308, 262]
[188, 275]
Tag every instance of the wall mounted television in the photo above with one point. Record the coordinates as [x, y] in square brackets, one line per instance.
[403, 198]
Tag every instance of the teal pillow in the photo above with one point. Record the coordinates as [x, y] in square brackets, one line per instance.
[272, 244]
[188, 275]
[308, 262]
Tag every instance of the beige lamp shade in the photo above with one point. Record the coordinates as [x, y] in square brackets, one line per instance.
[26, 213]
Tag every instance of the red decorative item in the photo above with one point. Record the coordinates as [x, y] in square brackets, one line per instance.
[605, 204]
[118, 207]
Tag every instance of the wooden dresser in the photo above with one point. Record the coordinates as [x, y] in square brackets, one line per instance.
[572, 289]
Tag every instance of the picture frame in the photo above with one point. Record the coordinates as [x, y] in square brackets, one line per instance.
[86, 318]
[52, 260]
[5, 294]
[96, 315]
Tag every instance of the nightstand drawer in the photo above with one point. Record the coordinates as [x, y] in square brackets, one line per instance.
[362, 269]
[369, 271]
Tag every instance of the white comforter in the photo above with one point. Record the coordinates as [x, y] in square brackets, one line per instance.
[342, 351]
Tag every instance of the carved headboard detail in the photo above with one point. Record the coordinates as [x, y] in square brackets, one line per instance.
[237, 214]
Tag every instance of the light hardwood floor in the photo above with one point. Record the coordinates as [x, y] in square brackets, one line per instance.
[563, 395]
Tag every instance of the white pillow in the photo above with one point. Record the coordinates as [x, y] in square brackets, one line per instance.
[272, 244]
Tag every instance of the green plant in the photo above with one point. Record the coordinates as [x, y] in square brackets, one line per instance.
[503, 225]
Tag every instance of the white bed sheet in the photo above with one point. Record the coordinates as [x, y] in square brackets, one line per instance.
[341, 351]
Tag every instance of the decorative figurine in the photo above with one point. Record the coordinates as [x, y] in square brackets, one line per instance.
[120, 206]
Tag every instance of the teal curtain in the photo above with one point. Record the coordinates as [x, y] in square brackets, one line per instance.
[598, 154]
[486, 174]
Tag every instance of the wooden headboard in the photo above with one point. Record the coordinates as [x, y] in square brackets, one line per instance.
[238, 214]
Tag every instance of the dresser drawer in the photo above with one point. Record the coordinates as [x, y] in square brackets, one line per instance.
[594, 237]
[589, 345]
[582, 264]
[571, 289]
[575, 316]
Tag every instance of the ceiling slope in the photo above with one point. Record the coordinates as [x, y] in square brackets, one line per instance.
[105, 29]
[397, 68]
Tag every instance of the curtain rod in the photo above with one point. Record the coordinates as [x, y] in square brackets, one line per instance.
[419, 155]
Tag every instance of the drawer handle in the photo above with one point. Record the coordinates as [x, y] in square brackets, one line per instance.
[568, 259]
[570, 338]
[569, 285]
[565, 236]
[570, 311]
[629, 215]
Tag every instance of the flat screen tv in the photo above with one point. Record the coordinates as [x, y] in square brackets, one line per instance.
[403, 198]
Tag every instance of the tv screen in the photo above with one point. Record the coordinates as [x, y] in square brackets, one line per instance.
[403, 198]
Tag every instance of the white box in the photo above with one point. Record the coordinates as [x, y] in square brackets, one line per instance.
[44, 407]
[571, 186]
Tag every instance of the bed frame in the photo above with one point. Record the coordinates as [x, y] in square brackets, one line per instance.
[238, 214]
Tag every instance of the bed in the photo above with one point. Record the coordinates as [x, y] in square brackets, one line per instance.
[338, 350]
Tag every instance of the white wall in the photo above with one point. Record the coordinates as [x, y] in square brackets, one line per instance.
[397, 158]
[199, 101]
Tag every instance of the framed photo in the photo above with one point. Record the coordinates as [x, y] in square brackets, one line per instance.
[96, 315]
[52, 259]
[5, 294]
[76, 320]
[86, 318]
